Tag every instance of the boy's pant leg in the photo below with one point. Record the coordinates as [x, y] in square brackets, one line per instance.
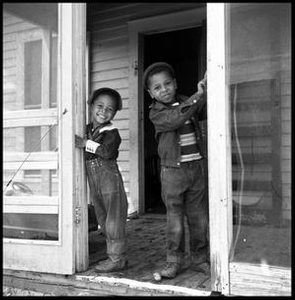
[94, 181]
[115, 202]
[110, 204]
[196, 207]
[173, 187]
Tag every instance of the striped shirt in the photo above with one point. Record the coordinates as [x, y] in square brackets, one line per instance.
[188, 143]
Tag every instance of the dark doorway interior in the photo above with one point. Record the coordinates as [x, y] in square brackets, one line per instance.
[181, 50]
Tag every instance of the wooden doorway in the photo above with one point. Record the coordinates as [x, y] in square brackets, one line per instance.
[139, 30]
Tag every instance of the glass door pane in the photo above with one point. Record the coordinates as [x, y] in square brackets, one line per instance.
[30, 139]
[260, 95]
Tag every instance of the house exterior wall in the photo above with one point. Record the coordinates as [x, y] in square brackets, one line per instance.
[109, 55]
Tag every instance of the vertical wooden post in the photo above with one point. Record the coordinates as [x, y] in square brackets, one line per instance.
[66, 131]
[135, 124]
[79, 77]
[219, 148]
[72, 99]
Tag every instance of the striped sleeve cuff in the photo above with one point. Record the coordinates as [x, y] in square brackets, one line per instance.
[91, 146]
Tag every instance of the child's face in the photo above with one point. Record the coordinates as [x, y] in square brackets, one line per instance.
[162, 87]
[103, 109]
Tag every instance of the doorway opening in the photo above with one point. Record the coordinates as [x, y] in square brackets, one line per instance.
[181, 49]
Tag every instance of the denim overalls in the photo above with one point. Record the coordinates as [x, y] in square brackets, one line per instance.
[109, 198]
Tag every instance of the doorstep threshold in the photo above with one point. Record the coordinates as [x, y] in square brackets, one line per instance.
[89, 285]
[144, 286]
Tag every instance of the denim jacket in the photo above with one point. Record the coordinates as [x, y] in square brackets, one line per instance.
[167, 120]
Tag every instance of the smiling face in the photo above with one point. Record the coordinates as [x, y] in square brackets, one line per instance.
[103, 109]
[162, 87]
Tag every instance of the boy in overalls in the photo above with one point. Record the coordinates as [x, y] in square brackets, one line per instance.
[101, 151]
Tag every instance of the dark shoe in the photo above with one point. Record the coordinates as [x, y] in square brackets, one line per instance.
[171, 270]
[109, 265]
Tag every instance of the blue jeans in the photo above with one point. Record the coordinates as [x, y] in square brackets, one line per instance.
[183, 192]
[110, 203]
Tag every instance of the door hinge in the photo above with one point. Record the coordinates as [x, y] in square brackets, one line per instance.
[77, 215]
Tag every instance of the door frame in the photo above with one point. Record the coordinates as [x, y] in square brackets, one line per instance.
[70, 252]
[136, 30]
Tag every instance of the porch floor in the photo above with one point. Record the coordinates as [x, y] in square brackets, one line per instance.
[146, 254]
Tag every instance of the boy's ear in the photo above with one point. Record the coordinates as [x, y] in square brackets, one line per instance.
[151, 94]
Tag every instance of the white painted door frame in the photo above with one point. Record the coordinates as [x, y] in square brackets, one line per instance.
[70, 252]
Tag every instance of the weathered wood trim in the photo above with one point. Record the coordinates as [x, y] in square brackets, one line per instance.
[80, 244]
[134, 123]
[74, 285]
[67, 159]
[259, 280]
[219, 149]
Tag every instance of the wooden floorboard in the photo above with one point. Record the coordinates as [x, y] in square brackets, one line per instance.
[146, 253]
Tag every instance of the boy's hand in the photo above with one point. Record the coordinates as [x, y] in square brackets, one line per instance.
[202, 85]
[79, 141]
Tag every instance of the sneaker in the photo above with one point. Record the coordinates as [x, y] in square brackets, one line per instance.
[171, 270]
[108, 265]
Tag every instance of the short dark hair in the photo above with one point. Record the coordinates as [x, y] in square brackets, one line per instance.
[106, 91]
[154, 69]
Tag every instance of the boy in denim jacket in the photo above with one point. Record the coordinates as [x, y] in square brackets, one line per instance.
[176, 120]
[101, 151]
